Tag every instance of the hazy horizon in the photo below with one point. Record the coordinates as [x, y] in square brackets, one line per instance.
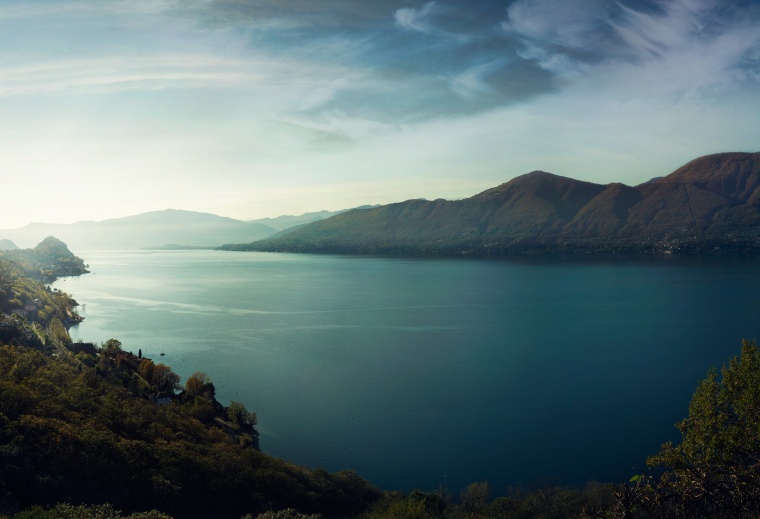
[260, 108]
[168, 209]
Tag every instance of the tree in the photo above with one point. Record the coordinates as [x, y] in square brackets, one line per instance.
[164, 378]
[239, 415]
[475, 497]
[196, 383]
[145, 369]
[112, 347]
[715, 470]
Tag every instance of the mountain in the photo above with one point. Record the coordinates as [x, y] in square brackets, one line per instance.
[285, 222]
[713, 201]
[7, 245]
[151, 229]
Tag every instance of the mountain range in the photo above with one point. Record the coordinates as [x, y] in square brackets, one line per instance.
[170, 228]
[150, 229]
[286, 222]
[711, 202]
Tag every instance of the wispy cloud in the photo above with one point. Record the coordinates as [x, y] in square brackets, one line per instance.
[569, 24]
[118, 73]
[421, 20]
[682, 23]
[63, 8]
[474, 80]
[338, 125]
[413, 19]
[573, 39]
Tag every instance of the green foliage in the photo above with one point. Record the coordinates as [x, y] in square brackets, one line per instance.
[35, 307]
[288, 513]
[145, 369]
[475, 497]
[239, 415]
[546, 502]
[722, 431]
[164, 378]
[202, 409]
[59, 331]
[416, 505]
[200, 384]
[86, 359]
[69, 435]
[112, 347]
[715, 470]
[67, 511]
[48, 260]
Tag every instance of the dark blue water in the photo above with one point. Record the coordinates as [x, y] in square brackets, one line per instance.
[417, 373]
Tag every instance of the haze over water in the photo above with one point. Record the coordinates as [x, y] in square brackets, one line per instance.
[417, 373]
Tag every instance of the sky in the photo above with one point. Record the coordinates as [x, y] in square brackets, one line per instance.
[255, 108]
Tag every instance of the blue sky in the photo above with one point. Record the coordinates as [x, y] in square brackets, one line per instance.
[253, 108]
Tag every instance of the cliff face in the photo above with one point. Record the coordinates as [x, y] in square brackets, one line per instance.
[713, 201]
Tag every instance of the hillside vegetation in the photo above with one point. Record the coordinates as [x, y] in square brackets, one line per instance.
[50, 259]
[71, 434]
[711, 202]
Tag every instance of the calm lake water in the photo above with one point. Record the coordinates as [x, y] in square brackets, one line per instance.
[417, 373]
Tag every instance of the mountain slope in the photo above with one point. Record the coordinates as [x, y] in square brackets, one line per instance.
[712, 201]
[7, 245]
[283, 224]
[286, 221]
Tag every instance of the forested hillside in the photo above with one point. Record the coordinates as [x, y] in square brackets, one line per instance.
[50, 259]
[710, 203]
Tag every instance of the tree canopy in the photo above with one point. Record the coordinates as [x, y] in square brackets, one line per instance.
[715, 470]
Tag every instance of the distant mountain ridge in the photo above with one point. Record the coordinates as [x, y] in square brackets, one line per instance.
[285, 222]
[155, 228]
[167, 229]
[711, 202]
[7, 245]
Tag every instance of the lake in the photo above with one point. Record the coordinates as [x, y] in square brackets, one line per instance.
[425, 372]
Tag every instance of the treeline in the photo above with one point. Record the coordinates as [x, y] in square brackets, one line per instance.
[495, 248]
